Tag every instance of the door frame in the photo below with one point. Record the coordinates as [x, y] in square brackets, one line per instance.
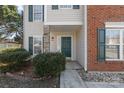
[59, 37]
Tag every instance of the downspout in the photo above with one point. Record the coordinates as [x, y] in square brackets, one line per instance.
[85, 37]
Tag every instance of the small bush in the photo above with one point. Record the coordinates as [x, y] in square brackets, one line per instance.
[13, 59]
[49, 64]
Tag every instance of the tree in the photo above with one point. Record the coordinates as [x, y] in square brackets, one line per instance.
[12, 21]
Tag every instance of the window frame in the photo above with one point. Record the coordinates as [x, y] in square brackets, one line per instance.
[41, 13]
[121, 45]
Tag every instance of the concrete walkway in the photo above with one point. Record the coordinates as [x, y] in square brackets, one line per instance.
[70, 78]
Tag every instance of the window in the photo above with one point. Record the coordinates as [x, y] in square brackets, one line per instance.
[37, 45]
[38, 12]
[112, 36]
[76, 7]
[114, 44]
[54, 7]
[66, 6]
[112, 52]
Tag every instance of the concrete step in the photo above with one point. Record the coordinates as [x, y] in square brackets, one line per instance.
[73, 65]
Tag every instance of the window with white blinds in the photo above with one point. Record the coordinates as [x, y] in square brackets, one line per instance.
[38, 12]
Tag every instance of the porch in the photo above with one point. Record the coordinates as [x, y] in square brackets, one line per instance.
[68, 39]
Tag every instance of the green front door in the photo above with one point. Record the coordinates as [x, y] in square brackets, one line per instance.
[66, 46]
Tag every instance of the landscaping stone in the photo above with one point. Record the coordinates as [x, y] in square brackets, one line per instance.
[104, 85]
[102, 76]
[2, 74]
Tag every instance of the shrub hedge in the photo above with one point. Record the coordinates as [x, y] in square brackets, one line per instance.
[49, 64]
[13, 58]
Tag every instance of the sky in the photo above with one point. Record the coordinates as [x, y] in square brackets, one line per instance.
[20, 8]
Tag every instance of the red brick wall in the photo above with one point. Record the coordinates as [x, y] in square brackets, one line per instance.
[97, 15]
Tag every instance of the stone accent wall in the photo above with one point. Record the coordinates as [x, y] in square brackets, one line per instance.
[97, 16]
[46, 41]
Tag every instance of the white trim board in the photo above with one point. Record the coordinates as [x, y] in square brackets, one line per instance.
[63, 23]
[85, 34]
[45, 13]
[114, 24]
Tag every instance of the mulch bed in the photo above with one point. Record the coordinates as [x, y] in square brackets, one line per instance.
[25, 78]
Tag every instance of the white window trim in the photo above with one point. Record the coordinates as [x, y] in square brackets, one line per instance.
[114, 24]
[66, 7]
[121, 46]
[114, 59]
[41, 15]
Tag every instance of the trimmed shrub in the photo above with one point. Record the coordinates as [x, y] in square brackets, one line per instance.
[49, 64]
[13, 59]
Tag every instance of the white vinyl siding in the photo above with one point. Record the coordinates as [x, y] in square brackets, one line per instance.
[64, 16]
[31, 28]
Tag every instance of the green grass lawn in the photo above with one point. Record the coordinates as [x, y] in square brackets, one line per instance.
[9, 46]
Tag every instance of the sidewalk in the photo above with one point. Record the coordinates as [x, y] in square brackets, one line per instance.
[70, 78]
